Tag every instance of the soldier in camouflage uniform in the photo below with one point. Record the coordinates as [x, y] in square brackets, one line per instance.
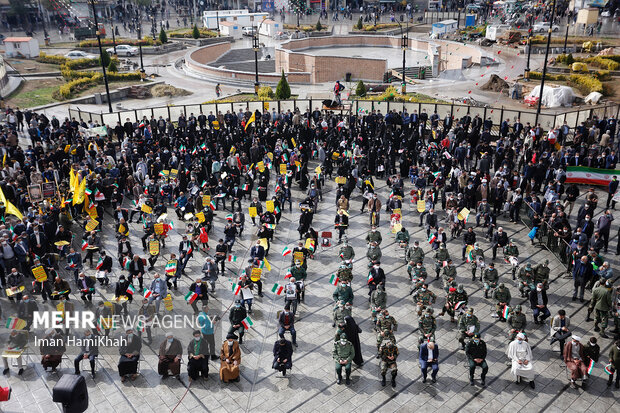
[339, 330]
[374, 236]
[423, 298]
[388, 353]
[511, 250]
[343, 355]
[344, 273]
[449, 276]
[490, 276]
[340, 312]
[427, 326]
[468, 325]
[459, 294]
[378, 301]
[541, 274]
[502, 297]
[343, 292]
[414, 255]
[419, 271]
[477, 255]
[602, 301]
[517, 322]
[386, 325]
[373, 254]
[346, 251]
[526, 280]
[441, 255]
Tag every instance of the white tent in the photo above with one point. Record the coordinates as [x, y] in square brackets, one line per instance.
[554, 97]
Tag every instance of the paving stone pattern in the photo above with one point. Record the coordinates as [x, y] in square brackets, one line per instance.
[311, 386]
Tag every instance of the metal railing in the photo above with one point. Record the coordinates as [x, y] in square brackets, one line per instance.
[573, 117]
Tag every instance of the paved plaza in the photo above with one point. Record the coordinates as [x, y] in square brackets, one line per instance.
[311, 386]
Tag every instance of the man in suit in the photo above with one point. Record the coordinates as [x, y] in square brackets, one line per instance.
[257, 252]
[136, 269]
[429, 357]
[186, 251]
[105, 268]
[159, 291]
[538, 303]
[86, 286]
[88, 350]
[199, 287]
[582, 272]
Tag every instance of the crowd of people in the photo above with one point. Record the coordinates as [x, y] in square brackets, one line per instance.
[453, 170]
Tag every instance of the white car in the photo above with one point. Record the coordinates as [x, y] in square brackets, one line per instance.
[544, 27]
[78, 54]
[123, 50]
[248, 31]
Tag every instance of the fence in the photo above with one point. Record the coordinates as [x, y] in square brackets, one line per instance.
[547, 120]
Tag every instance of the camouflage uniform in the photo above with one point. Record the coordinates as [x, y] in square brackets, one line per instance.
[541, 274]
[465, 321]
[475, 253]
[343, 293]
[420, 272]
[511, 251]
[603, 304]
[344, 274]
[517, 322]
[490, 276]
[452, 299]
[412, 257]
[423, 299]
[441, 255]
[385, 330]
[449, 272]
[347, 252]
[501, 295]
[340, 313]
[427, 326]
[378, 299]
[526, 280]
[373, 254]
[385, 352]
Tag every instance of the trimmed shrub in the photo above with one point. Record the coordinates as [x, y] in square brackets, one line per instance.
[195, 32]
[360, 24]
[105, 57]
[579, 67]
[112, 67]
[319, 26]
[586, 84]
[360, 90]
[265, 92]
[163, 38]
[283, 91]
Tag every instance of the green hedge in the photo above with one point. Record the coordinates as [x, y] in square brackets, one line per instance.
[146, 41]
[70, 63]
[602, 62]
[188, 33]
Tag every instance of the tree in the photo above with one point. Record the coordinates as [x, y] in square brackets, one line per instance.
[319, 26]
[283, 91]
[105, 57]
[360, 24]
[360, 90]
[112, 66]
[163, 38]
[195, 32]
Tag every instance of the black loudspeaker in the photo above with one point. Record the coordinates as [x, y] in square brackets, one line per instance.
[72, 392]
[347, 77]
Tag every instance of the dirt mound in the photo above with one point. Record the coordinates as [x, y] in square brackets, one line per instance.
[495, 84]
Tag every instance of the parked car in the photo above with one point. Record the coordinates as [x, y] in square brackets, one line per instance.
[248, 31]
[78, 54]
[123, 50]
[544, 27]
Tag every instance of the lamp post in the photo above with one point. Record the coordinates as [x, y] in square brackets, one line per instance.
[139, 31]
[458, 20]
[113, 39]
[255, 46]
[404, 43]
[544, 73]
[105, 77]
[45, 34]
[526, 74]
[566, 35]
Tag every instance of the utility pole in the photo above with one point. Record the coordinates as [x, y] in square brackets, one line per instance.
[526, 75]
[256, 46]
[544, 73]
[105, 76]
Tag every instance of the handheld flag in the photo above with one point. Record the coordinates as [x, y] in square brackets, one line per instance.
[288, 274]
[232, 258]
[590, 366]
[84, 245]
[236, 289]
[190, 297]
[147, 293]
[458, 305]
[131, 289]
[286, 251]
[277, 289]
[505, 311]
[432, 238]
[250, 121]
[333, 280]
[99, 264]
[247, 322]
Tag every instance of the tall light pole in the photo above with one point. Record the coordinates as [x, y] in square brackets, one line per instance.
[105, 77]
[255, 45]
[139, 31]
[566, 35]
[404, 43]
[544, 73]
[45, 34]
[526, 75]
[113, 39]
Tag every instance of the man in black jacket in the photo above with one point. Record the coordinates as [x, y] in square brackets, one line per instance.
[538, 303]
[287, 323]
[237, 314]
[282, 355]
[476, 351]
[469, 238]
[500, 240]
[201, 289]
[104, 267]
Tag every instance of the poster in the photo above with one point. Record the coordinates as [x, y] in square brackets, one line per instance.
[48, 189]
[36, 195]
[282, 169]
[270, 206]
[256, 274]
[252, 212]
[92, 224]
[39, 273]
[206, 200]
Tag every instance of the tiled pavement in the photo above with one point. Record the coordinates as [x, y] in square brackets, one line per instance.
[311, 385]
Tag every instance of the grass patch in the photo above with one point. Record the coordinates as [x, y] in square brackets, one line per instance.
[34, 93]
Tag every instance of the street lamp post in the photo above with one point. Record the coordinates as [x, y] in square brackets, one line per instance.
[113, 39]
[255, 45]
[139, 31]
[105, 77]
[404, 41]
[45, 34]
[458, 19]
[566, 35]
[526, 75]
[544, 73]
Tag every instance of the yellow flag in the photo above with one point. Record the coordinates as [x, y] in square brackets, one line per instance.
[92, 212]
[251, 120]
[72, 180]
[10, 208]
[78, 196]
[267, 265]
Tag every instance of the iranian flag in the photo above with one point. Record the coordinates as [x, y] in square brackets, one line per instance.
[212, 205]
[458, 305]
[147, 293]
[370, 278]
[190, 297]
[245, 187]
[277, 289]
[131, 289]
[590, 366]
[229, 217]
[72, 265]
[126, 262]
[171, 267]
[505, 311]
[236, 289]
[609, 369]
[286, 251]
[232, 258]
[99, 263]
[247, 323]
[333, 280]
[288, 274]
[11, 322]
[432, 238]
[84, 245]
[590, 176]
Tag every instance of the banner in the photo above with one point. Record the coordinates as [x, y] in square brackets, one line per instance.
[269, 205]
[421, 205]
[590, 176]
[159, 228]
[154, 247]
[252, 212]
[39, 273]
[201, 217]
[256, 274]
[282, 169]
[206, 200]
